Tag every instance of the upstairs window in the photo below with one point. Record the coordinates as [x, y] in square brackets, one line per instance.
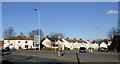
[18, 41]
[8, 41]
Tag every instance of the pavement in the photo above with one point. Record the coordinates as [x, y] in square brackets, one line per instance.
[52, 57]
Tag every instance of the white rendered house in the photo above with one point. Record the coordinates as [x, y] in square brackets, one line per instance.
[103, 44]
[19, 42]
[73, 44]
[47, 42]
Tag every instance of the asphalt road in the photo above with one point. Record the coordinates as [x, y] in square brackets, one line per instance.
[52, 57]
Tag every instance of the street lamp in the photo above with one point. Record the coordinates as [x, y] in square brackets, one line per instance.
[38, 24]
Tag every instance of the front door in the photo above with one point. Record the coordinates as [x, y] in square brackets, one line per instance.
[26, 46]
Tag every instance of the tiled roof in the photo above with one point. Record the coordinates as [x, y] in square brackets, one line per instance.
[20, 37]
[74, 41]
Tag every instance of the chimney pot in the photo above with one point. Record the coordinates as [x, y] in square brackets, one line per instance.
[46, 36]
[80, 38]
[74, 38]
[67, 38]
[87, 40]
[21, 34]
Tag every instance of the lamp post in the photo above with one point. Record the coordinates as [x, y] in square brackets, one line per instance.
[97, 32]
[38, 25]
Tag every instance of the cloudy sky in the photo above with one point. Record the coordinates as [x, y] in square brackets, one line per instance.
[73, 19]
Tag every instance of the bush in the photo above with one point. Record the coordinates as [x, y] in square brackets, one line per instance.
[31, 49]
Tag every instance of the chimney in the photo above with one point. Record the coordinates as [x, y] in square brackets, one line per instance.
[67, 38]
[80, 38]
[74, 38]
[87, 40]
[21, 34]
[46, 36]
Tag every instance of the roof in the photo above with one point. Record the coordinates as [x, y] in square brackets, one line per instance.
[111, 39]
[20, 37]
[84, 41]
[73, 41]
[44, 39]
[61, 40]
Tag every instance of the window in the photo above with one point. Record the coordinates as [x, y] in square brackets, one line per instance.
[26, 46]
[26, 42]
[8, 41]
[18, 41]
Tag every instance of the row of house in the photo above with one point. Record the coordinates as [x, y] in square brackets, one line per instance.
[19, 42]
[23, 42]
[75, 44]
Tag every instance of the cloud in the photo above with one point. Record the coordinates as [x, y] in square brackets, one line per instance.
[112, 12]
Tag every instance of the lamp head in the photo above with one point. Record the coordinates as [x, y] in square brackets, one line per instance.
[35, 9]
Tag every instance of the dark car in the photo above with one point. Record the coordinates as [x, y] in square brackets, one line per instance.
[82, 49]
[103, 50]
[7, 49]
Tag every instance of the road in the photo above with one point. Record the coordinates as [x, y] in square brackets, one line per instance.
[52, 57]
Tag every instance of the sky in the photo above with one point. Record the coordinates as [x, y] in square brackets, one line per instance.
[60, 0]
[73, 19]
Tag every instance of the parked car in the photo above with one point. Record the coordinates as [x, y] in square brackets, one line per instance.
[103, 50]
[7, 49]
[82, 49]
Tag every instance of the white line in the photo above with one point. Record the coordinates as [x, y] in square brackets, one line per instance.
[27, 60]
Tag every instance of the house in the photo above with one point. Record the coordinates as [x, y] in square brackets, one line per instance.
[47, 42]
[73, 44]
[110, 41]
[19, 42]
[60, 44]
[76, 44]
[103, 45]
[95, 46]
[1, 44]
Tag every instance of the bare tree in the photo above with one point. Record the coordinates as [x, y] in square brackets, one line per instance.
[9, 32]
[36, 32]
[53, 36]
[112, 33]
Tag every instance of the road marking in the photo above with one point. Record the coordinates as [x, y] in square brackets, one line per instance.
[27, 60]
[17, 58]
